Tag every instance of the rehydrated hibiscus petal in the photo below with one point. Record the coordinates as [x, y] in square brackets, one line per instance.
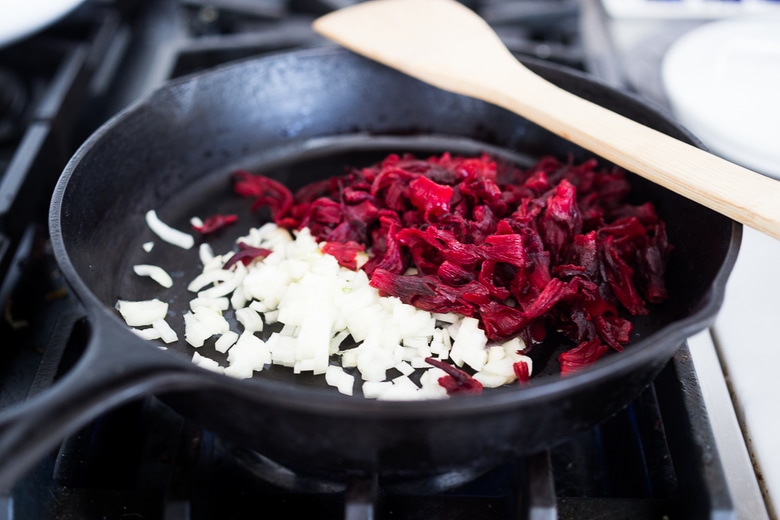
[581, 356]
[456, 381]
[265, 191]
[345, 253]
[522, 372]
[246, 254]
[214, 223]
[430, 197]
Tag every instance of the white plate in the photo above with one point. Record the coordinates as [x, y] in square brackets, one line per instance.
[723, 83]
[18, 18]
[686, 9]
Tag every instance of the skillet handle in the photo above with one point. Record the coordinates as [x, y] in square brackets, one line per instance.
[109, 373]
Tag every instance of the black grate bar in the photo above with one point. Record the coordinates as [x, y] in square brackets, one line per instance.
[177, 510]
[6, 507]
[541, 488]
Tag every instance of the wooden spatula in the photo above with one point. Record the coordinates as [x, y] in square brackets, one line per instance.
[444, 43]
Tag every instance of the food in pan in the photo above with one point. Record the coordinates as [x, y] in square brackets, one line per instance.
[421, 278]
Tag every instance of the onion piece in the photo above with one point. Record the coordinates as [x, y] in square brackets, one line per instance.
[207, 363]
[148, 333]
[208, 278]
[142, 313]
[249, 319]
[249, 354]
[205, 253]
[167, 233]
[167, 334]
[225, 341]
[156, 273]
[341, 379]
[195, 332]
[218, 304]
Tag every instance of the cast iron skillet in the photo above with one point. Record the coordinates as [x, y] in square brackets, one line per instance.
[300, 116]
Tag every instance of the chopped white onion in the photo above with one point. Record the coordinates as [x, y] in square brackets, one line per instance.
[148, 333]
[225, 341]
[249, 354]
[341, 379]
[195, 332]
[141, 313]
[208, 278]
[207, 363]
[167, 233]
[205, 253]
[156, 273]
[321, 305]
[167, 334]
[219, 304]
[249, 319]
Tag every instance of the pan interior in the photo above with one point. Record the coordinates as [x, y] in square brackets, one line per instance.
[295, 165]
[299, 118]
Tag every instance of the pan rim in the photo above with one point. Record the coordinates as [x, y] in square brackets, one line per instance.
[672, 336]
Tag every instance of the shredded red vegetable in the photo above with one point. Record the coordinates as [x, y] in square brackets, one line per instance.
[345, 253]
[522, 372]
[552, 247]
[245, 255]
[215, 223]
[456, 381]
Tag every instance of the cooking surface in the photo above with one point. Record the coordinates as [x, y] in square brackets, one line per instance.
[675, 452]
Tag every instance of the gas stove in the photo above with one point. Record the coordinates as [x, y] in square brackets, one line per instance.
[662, 457]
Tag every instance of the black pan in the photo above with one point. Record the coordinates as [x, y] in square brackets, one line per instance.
[298, 117]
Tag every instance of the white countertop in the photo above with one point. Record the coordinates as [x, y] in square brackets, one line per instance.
[747, 340]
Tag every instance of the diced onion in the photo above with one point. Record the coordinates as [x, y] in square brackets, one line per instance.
[148, 333]
[208, 278]
[207, 363]
[167, 233]
[205, 253]
[321, 305]
[342, 380]
[141, 313]
[156, 273]
[167, 334]
[225, 341]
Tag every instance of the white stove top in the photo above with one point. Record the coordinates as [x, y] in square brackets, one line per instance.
[748, 345]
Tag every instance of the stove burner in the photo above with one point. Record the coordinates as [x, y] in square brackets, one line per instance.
[13, 100]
